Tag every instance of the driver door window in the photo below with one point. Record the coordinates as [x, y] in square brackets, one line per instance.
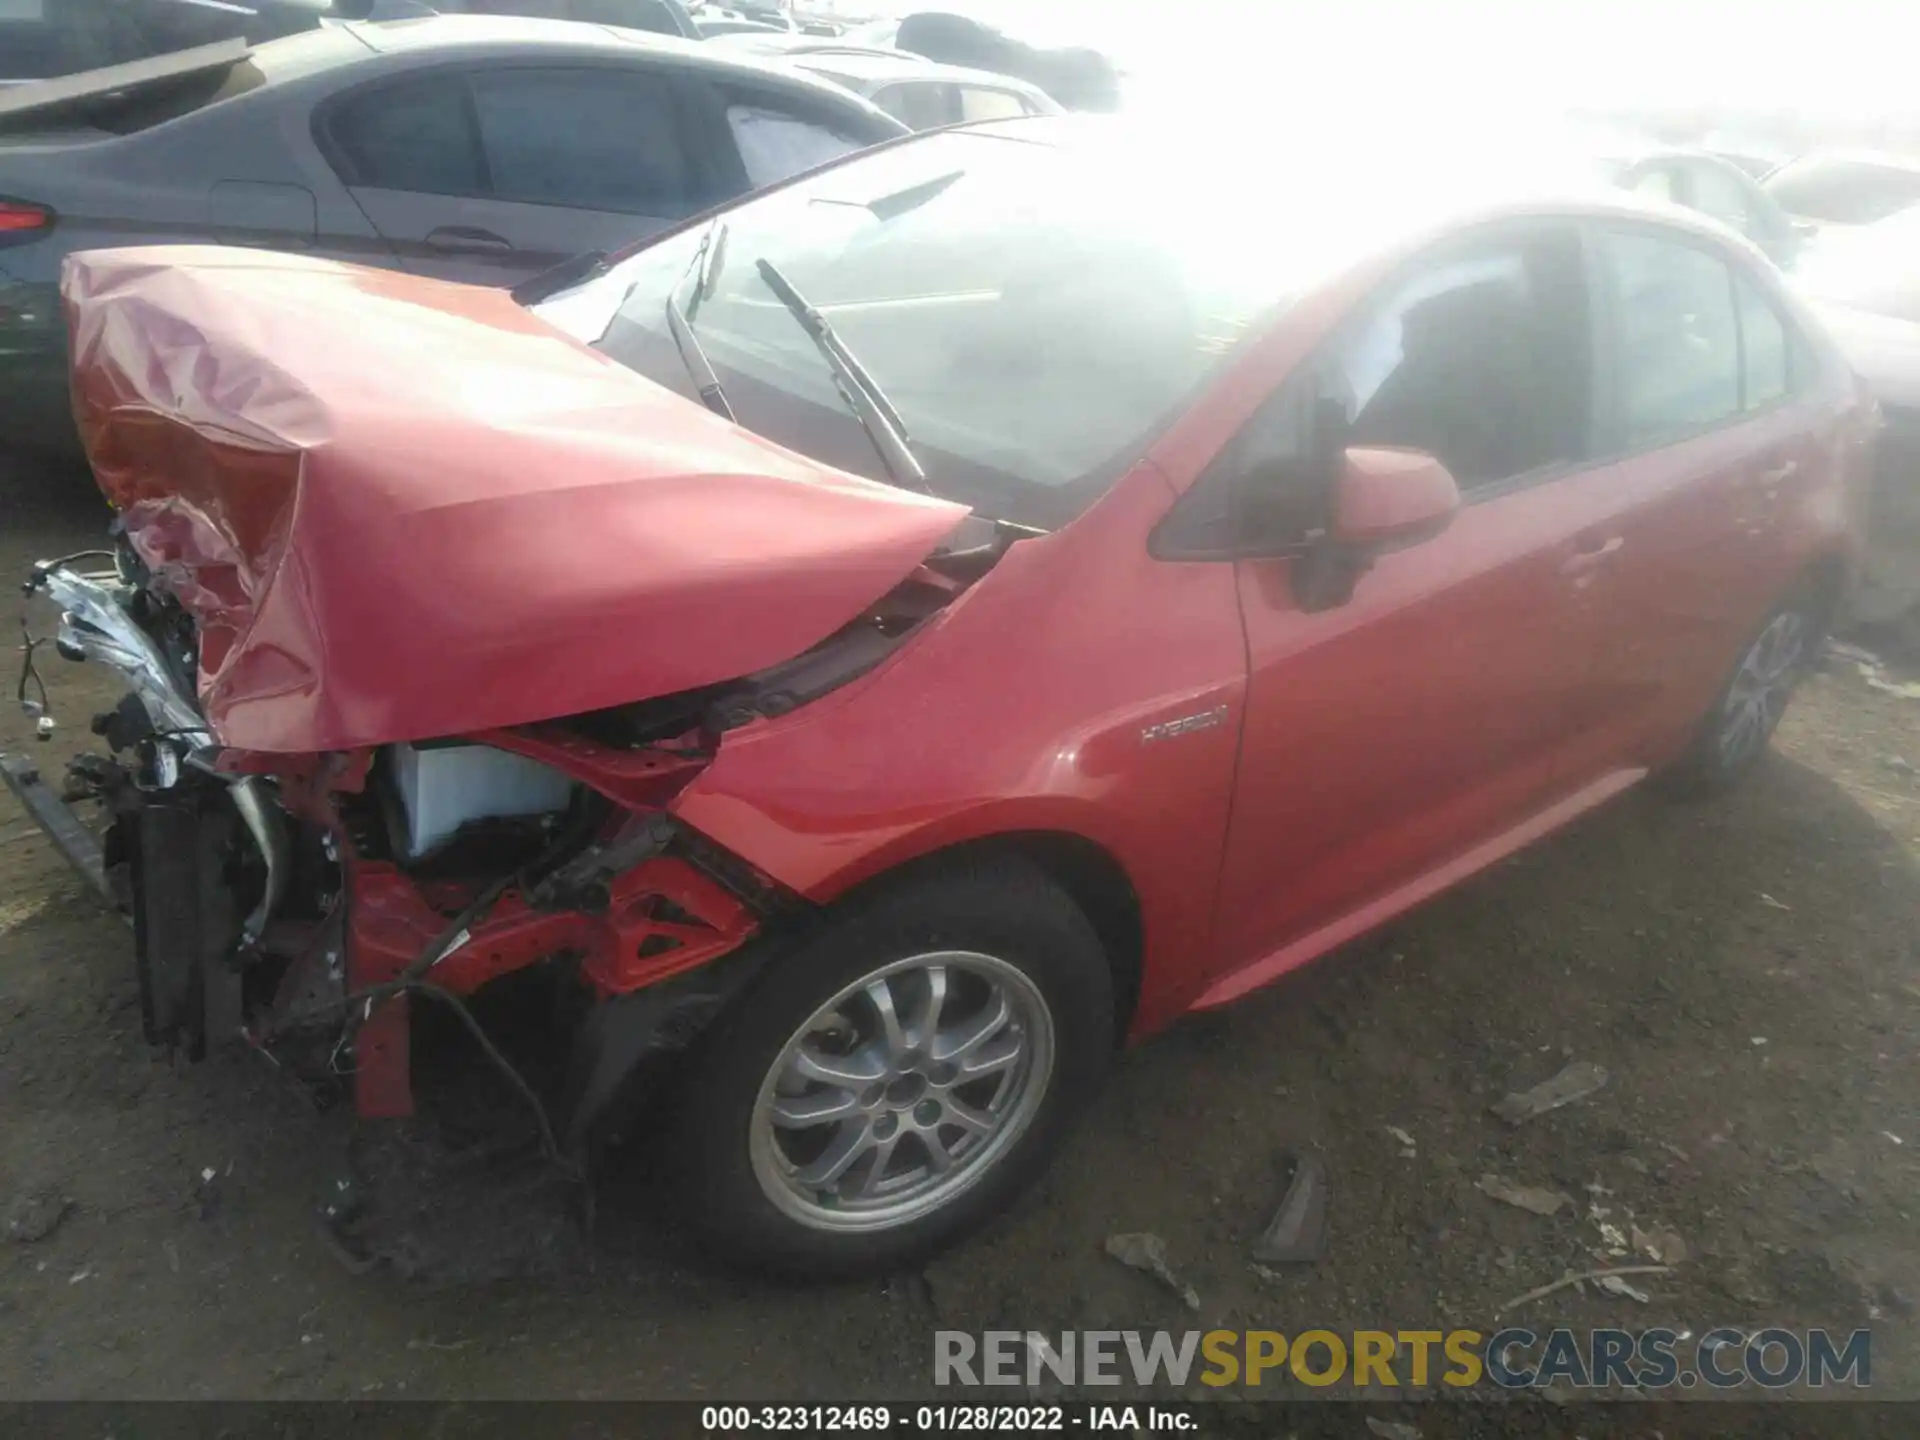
[1480, 357]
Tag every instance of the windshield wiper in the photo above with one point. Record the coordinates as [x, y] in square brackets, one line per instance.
[706, 272]
[572, 271]
[863, 396]
[695, 359]
[707, 261]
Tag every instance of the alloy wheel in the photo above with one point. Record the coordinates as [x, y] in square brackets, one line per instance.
[1762, 686]
[902, 1091]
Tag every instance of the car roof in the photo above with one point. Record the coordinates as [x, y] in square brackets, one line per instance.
[798, 42]
[885, 69]
[399, 37]
[1880, 159]
[487, 36]
[1377, 187]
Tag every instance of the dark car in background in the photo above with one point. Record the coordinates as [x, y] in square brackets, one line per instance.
[1079, 77]
[43, 38]
[40, 39]
[477, 149]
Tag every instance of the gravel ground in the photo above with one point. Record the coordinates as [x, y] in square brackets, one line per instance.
[1748, 972]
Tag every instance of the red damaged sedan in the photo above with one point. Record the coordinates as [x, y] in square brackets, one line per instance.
[891, 641]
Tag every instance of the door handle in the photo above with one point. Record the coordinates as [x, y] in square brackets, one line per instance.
[466, 237]
[1774, 476]
[1590, 553]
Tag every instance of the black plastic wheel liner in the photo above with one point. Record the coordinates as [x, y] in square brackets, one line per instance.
[185, 922]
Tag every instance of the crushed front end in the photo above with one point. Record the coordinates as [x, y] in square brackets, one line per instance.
[295, 903]
[420, 653]
[298, 903]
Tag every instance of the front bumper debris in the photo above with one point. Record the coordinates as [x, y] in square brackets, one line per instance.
[62, 826]
[270, 905]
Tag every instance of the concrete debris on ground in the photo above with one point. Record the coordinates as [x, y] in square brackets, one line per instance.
[1297, 1234]
[1573, 1279]
[1575, 1082]
[36, 1215]
[1392, 1429]
[1873, 670]
[1527, 1197]
[1148, 1254]
[1660, 1243]
[1614, 1285]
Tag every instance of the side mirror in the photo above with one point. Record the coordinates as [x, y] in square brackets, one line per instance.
[1390, 499]
[1383, 499]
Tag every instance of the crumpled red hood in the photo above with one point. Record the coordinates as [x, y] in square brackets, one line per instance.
[399, 508]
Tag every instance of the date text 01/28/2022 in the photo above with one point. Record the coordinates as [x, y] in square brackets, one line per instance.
[946, 1419]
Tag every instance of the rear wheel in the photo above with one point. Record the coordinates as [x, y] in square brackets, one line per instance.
[893, 1083]
[1737, 730]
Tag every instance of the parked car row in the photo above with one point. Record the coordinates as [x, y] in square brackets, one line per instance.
[466, 148]
[1694, 179]
[1845, 229]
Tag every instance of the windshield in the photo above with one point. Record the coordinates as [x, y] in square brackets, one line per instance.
[1034, 314]
[1842, 191]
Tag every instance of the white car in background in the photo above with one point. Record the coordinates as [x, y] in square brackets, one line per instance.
[920, 93]
[1845, 187]
[1864, 280]
[923, 94]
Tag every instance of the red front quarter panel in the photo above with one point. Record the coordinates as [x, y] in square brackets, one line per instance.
[1021, 708]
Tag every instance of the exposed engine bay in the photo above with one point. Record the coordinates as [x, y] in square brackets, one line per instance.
[295, 903]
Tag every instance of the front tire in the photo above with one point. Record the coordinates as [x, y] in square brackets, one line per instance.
[1739, 727]
[894, 1082]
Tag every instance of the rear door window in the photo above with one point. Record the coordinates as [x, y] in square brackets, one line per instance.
[415, 135]
[921, 104]
[774, 143]
[979, 103]
[1676, 343]
[586, 138]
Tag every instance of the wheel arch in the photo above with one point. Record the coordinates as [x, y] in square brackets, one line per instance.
[1091, 875]
[1829, 577]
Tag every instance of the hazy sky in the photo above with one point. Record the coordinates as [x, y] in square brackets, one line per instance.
[1835, 57]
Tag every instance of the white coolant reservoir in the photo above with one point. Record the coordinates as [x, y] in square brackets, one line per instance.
[442, 787]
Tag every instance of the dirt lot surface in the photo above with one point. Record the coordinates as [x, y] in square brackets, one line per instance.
[1747, 971]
